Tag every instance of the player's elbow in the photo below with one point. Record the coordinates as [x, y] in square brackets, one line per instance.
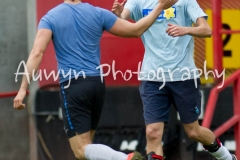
[208, 32]
[37, 53]
[138, 30]
[138, 33]
[133, 34]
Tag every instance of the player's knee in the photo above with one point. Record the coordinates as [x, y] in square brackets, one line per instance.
[153, 133]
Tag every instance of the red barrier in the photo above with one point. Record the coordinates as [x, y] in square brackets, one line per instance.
[9, 94]
[236, 103]
[232, 122]
[235, 79]
[217, 37]
[229, 31]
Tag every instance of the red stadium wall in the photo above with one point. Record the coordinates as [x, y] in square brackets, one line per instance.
[127, 53]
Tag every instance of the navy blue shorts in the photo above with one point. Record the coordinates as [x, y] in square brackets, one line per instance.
[82, 104]
[183, 95]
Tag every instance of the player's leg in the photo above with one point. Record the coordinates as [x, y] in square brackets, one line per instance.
[78, 144]
[98, 151]
[208, 139]
[83, 149]
[79, 106]
[154, 133]
[76, 102]
[198, 133]
[187, 99]
[92, 133]
[103, 152]
[156, 105]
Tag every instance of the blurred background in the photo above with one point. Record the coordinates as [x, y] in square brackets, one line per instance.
[36, 133]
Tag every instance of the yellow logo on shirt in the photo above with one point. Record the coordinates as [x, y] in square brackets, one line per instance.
[169, 13]
[165, 14]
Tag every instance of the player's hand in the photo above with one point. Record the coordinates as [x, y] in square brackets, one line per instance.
[167, 3]
[175, 31]
[17, 103]
[117, 7]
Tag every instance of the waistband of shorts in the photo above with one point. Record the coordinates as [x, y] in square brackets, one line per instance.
[83, 79]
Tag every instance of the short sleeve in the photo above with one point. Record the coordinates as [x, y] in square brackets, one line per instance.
[131, 5]
[108, 19]
[194, 11]
[45, 23]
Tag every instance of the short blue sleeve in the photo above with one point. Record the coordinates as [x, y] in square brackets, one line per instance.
[45, 23]
[108, 19]
[194, 11]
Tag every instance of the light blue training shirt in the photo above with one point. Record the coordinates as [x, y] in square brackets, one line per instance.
[77, 30]
[167, 58]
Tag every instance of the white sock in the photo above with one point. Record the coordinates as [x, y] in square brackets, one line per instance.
[222, 153]
[102, 152]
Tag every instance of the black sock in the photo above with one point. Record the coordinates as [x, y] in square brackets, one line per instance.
[153, 156]
[214, 146]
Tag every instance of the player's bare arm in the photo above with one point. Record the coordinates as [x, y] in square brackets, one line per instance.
[127, 29]
[42, 39]
[201, 30]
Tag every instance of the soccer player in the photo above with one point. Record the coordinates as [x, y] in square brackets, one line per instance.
[168, 74]
[76, 29]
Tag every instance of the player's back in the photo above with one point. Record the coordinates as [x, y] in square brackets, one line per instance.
[76, 26]
[77, 30]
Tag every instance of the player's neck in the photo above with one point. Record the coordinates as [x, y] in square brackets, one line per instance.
[72, 1]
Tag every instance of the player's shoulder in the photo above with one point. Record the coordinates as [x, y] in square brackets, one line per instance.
[57, 8]
[102, 11]
[63, 6]
[138, 1]
[182, 2]
[88, 6]
[188, 1]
